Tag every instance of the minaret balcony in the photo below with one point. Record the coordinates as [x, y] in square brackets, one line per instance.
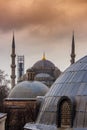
[13, 66]
[73, 55]
[13, 76]
[13, 55]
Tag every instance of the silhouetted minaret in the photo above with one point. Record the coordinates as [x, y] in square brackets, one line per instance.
[73, 50]
[13, 66]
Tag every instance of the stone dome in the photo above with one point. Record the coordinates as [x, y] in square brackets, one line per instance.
[28, 89]
[43, 76]
[65, 105]
[43, 64]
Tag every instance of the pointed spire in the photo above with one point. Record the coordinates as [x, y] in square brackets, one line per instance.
[13, 41]
[73, 50]
[13, 65]
[73, 44]
[44, 58]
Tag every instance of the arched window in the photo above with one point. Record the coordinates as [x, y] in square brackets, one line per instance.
[65, 113]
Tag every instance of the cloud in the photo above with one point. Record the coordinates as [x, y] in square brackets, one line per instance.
[37, 12]
[42, 17]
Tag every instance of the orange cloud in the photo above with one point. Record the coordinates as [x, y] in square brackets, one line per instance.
[42, 16]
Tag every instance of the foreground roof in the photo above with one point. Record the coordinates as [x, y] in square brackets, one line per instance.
[29, 126]
[2, 115]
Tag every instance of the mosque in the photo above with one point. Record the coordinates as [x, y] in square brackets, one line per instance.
[43, 70]
[23, 102]
[32, 105]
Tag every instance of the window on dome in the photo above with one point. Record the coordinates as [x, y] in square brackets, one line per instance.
[65, 114]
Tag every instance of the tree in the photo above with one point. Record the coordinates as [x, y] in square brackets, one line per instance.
[4, 90]
[3, 79]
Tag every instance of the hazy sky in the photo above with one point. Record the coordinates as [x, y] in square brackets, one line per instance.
[42, 25]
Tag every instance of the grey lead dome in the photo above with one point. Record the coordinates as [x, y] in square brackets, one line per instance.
[43, 64]
[73, 85]
[28, 89]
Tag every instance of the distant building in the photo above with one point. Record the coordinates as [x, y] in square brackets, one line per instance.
[20, 66]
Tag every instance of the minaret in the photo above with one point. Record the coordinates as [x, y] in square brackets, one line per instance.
[13, 66]
[73, 50]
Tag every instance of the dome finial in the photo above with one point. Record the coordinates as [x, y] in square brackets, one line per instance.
[44, 58]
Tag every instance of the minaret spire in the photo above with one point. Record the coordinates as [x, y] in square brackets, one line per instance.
[73, 50]
[13, 66]
[13, 41]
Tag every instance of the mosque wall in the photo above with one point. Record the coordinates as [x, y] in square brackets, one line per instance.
[19, 113]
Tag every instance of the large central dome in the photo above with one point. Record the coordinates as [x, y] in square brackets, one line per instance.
[43, 64]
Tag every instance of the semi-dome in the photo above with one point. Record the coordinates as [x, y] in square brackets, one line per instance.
[43, 76]
[65, 105]
[28, 89]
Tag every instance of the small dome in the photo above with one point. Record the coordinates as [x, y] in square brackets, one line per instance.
[28, 89]
[43, 76]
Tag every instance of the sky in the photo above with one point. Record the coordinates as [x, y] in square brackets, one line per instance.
[42, 26]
